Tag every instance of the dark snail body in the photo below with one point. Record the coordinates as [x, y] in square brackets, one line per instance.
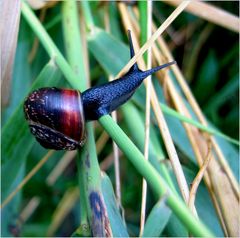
[57, 116]
[103, 99]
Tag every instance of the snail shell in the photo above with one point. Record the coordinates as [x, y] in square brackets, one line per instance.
[56, 118]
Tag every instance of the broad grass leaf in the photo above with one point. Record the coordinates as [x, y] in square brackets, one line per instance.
[205, 85]
[157, 219]
[33, 229]
[115, 27]
[9, 223]
[116, 222]
[111, 53]
[175, 228]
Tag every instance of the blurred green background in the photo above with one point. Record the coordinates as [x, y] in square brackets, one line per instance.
[208, 56]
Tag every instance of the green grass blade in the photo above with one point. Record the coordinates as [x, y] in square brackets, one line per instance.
[49, 45]
[222, 95]
[157, 183]
[208, 129]
[156, 154]
[88, 164]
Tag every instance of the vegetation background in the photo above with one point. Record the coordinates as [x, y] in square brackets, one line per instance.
[96, 46]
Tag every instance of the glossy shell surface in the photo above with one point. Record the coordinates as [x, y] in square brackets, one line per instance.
[56, 118]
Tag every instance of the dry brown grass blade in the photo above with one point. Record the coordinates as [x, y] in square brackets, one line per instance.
[64, 207]
[182, 82]
[199, 177]
[83, 34]
[27, 178]
[190, 60]
[199, 146]
[211, 14]
[29, 209]
[225, 166]
[147, 117]
[229, 203]
[60, 167]
[116, 158]
[186, 90]
[35, 45]
[101, 142]
[10, 15]
[38, 4]
[157, 33]
[184, 33]
[108, 161]
[57, 171]
[198, 143]
[114, 116]
[159, 115]
[226, 198]
[55, 174]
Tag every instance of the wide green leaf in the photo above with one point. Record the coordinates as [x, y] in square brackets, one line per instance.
[111, 53]
[116, 222]
[157, 219]
[10, 211]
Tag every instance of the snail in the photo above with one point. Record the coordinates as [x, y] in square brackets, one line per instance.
[57, 117]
